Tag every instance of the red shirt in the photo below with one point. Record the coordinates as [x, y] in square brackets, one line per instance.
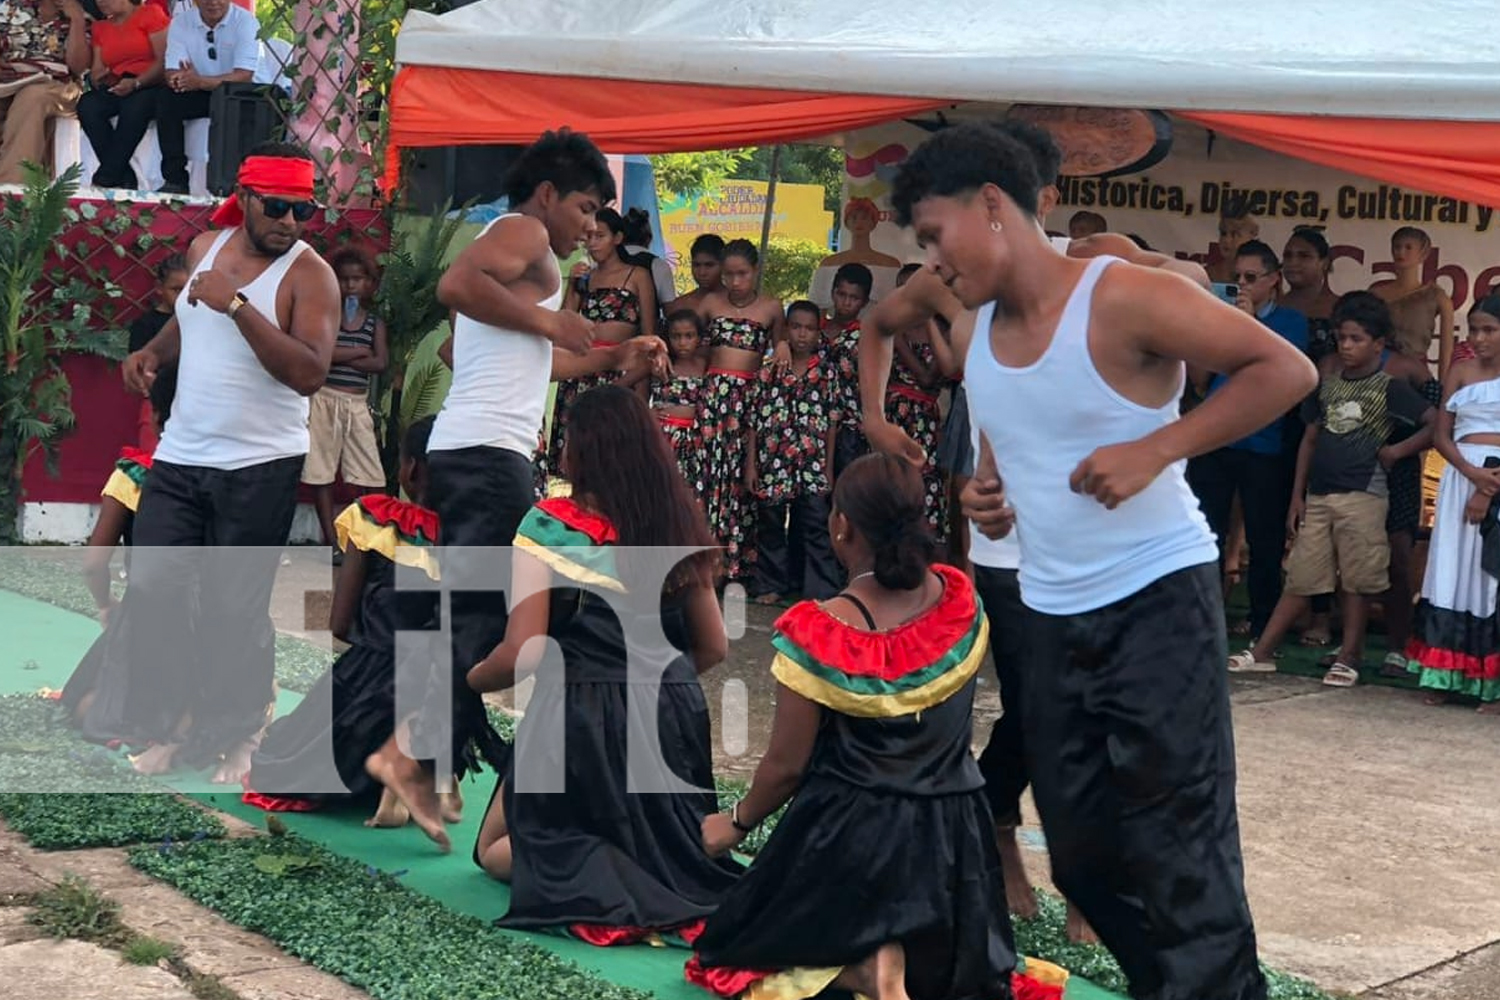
[126, 48]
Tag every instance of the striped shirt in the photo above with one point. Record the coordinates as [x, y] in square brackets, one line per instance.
[345, 377]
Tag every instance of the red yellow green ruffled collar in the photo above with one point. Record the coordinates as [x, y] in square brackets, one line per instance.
[909, 668]
[402, 532]
[129, 475]
[573, 542]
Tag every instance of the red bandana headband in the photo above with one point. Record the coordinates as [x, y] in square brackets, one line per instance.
[279, 174]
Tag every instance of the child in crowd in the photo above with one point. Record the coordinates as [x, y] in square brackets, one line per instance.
[708, 272]
[1339, 495]
[340, 422]
[789, 455]
[923, 364]
[316, 754]
[852, 284]
[677, 398]
[171, 276]
[94, 695]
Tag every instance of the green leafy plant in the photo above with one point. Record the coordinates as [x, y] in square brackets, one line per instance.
[427, 379]
[407, 299]
[788, 268]
[145, 950]
[684, 176]
[38, 329]
[74, 909]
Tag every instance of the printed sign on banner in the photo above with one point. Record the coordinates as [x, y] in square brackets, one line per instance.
[1175, 207]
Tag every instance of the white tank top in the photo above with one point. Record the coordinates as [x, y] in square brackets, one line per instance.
[1003, 553]
[500, 379]
[230, 413]
[1045, 418]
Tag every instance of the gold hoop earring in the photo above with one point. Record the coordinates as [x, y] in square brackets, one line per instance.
[995, 227]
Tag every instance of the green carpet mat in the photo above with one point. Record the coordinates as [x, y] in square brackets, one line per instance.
[44, 643]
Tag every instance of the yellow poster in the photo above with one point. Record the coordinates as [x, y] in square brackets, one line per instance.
[735, 212]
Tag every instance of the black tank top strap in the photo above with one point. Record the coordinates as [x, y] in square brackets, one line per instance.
[858, 606]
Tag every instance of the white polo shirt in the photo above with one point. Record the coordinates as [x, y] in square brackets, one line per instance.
[236, 44]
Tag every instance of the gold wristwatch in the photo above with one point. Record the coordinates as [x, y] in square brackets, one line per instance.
[236, 304]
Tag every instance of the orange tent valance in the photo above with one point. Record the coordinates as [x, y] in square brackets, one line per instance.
[439, 106]
[442, 106]
[1457, 159]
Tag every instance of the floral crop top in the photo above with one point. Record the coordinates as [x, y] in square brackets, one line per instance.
[611, 305]
[679, 390]
[739, 333]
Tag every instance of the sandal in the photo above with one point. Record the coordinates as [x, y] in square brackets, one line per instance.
[1341, 675]
[1394, 665]
[1316, 637]
[1244, 662]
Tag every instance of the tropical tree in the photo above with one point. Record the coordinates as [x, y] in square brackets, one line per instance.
[43, 319]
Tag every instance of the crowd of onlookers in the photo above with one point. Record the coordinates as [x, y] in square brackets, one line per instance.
[118, 66]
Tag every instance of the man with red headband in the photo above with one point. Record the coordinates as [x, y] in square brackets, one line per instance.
[252, 339]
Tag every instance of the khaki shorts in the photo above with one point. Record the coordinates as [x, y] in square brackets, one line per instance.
[342, 432]
[1342, 540]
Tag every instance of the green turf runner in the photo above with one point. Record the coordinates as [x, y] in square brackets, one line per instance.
[44, 643]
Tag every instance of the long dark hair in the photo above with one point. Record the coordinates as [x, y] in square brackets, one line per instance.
[612, 220]
[617, 457]
[883, 498]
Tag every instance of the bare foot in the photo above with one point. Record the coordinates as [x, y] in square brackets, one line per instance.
[1435, 699]
[882, 976]
[413, 786]
[451, 804]
[1078, 929]
[236, 763]
[1020, 897]
[156, 760]
[768, 599]
[390, 813]
[1489, 708]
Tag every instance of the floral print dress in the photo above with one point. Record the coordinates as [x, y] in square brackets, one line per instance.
[600, 305]
[684, 433]
[726, 399]
[915, 410]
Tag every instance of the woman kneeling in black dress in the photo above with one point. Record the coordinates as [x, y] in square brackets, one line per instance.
[883, 877]
[605, 841]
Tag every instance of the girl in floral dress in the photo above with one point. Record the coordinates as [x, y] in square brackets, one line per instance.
[742, 326]
[677, 398]
[788, 470]
[618, 297]
[918, 376]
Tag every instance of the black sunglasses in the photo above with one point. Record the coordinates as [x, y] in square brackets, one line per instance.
[213, 53]
[275, 208]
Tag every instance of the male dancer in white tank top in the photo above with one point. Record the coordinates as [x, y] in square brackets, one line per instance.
[506, 289]
[251, 339]
[1073, 387]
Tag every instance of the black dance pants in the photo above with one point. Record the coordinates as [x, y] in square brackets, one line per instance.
[207, 544]
[480, 495]
[1264, 486]
[1003, 762]
[1131, 749]
[793, 554]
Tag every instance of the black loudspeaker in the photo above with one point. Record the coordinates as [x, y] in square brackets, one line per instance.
[456, 174]
[241, 116]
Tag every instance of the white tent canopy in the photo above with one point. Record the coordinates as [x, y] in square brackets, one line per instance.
[1383, 58]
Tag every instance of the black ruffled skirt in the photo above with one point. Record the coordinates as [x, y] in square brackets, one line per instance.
[848, 870]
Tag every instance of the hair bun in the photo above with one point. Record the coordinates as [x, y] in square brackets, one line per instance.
[904, 552]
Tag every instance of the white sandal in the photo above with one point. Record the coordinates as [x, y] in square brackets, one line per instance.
[1244, 662]
[1341, 675]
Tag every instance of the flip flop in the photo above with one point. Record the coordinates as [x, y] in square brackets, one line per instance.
[1341, 675]
[1394, 666]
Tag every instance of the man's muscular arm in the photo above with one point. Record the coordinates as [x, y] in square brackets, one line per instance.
[923, 297]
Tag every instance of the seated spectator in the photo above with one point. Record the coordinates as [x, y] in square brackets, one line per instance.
[209, 44]
[124, 82]
[44, 49]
